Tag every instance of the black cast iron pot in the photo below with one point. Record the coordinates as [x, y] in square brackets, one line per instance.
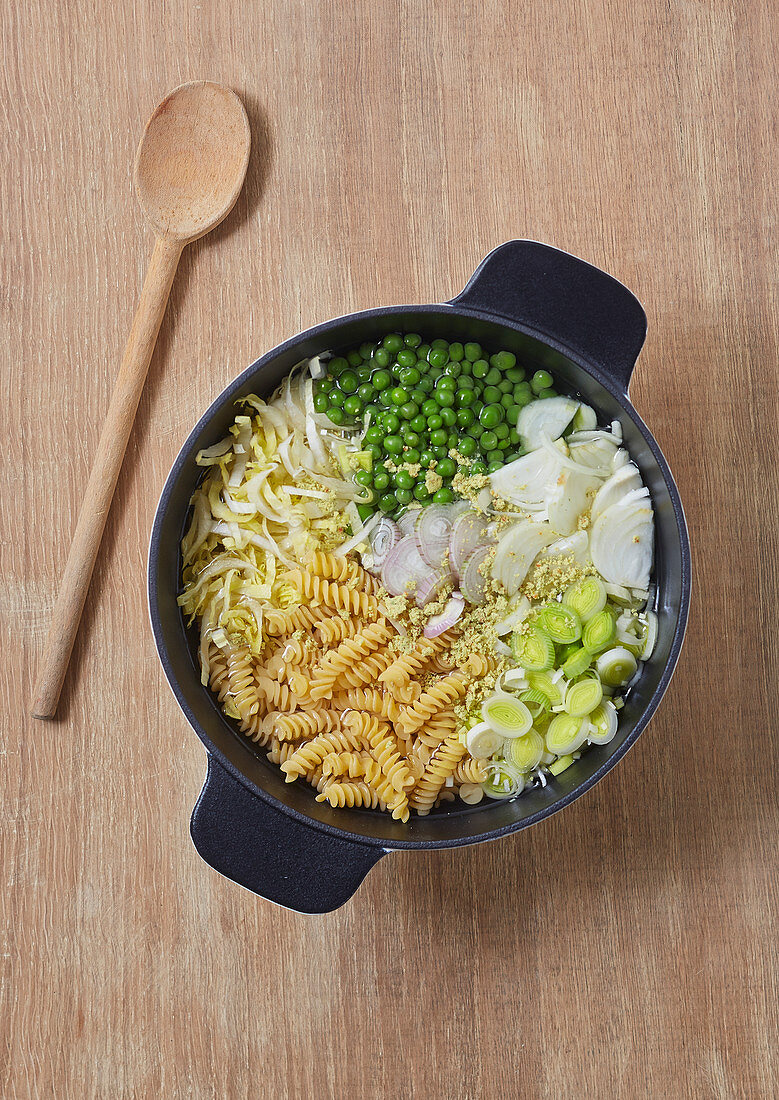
[554, 311]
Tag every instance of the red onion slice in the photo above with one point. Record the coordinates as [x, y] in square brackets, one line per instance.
[403, 568]
[469, 532]
[386, 534]
[432, 531]
[407, 520]
[448, 617]
[431, 585]
[473, 583]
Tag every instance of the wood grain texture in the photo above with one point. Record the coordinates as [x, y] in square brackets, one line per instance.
[624, 948]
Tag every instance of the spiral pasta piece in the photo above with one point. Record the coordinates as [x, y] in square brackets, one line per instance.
[352, 796]
[280, 696]
[332, 594]
[368, 671]
[355, 765]
[294, 727]
[290, 620]
[440, 695]
[437, 729]
[310, 755]
[335, 628]
[470, 771]
[336, 567]
[361, 698]
[383, 747]
[348, 654]
[442, 764]
[399, 673]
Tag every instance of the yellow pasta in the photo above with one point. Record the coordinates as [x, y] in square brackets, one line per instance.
[351, 795]
[470, 771]
[399, 673]
[440, 695]
[334, 595]
[335, 628]
[335, 567]
[442, 764]
[349, 654]
[310, 755]
[361, 698]
[294, 727]
[290, 620]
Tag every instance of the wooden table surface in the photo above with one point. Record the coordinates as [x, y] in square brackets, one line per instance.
[626, 947]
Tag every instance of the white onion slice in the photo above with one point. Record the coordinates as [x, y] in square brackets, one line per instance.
[431, 531]
[386, 534]
[473, 582]
[448, 617]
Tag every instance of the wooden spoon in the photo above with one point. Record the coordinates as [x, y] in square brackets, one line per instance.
[189, 171]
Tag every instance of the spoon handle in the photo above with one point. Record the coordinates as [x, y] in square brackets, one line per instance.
[105, 471]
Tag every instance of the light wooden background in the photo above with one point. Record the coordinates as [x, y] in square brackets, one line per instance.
[627, 947]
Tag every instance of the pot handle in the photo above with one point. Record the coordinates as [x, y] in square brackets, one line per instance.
[247, 840]
[562, 297]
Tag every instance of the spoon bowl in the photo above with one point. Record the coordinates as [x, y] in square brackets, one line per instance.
[192, 160]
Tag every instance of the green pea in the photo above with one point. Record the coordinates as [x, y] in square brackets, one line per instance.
[480, 368]
[367, 350]
[403, 480]
[355, 359]
[409, 410]
[443, 496]
[372, 413]
[440, 452]
[429, 408]
[479, 467]
[409, 376]
[399, 396]
[491, 415]
[426, 384]
[426, 459]
[512, 413]
[466, 368]
[456, 351]
[353, 406]
[509, 456]
[407, 358]
[338, 416]
[403, 496]
[507, 401]
[541, 380]
[493, 466]
[516, 374]
[438, 357]
[504, 360]
[325, 385]
[337, 366]
[411, 455]
[438, 437]
[321, 402]
[423, 350]
[465, 398]
[393, 444]
[472, 351]
[465, 418]
[466, 384]
[547, 393]
[435, 373]
[495, 456]
[418, 395]
[373, 435]
[374, 450]
[412, 340]
[489, 442]
[364, 511]
[452, 440]
[476, 431]
[447, 383]
[388, 502]
[492, 395]
[452, 369]
[446, 467]
[393, 343]
[466, 446]
[434, 422]
[439, 343]
[364, 477]
[501, 431]
[411, 439]
[522, 399]
[364, 373]
[505, 386]
[390, 422]
[381, 357]
[449, 417]
[348, 381]
[445, 398]
[337, 397]
[421, 491]
[514, 438]
[381, 379]
[493, 377]
[366, 392]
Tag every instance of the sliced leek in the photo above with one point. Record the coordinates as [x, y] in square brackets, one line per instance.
[534, 649]
[525, 752]
[535, 701]
[505, 780]
[583, 697]
[616, 666]
[542, 681]
[603, 723]
[482, 741]
[577, 663]
[650, 638]
[598, 633]
[561, 765]
[506, 715]
[561, 623]
[587, 597]
[566, 734]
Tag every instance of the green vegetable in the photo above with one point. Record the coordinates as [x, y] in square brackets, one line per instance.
[533, 649]
[598, 633]
[525, 752]
[561, 764]
[561, 623]
[583, 697]
[616, 666]
[506, 715]
[577, 663]
[587, 597]
[566, 734]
